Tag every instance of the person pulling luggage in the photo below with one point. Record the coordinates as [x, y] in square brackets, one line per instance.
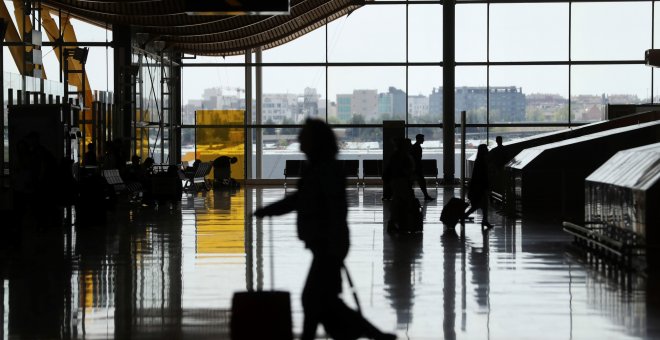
[320, 202]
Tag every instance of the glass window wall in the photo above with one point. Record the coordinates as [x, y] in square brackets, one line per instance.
[528, 32]
[366, 95]
[525, 68]
[370, 33]
[610, 30]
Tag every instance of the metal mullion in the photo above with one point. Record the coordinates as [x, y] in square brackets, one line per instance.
[543, 63]
[570, 51]
[331, 64]
[327, 100]
[62, 44]
[652, 42]
[487, 72]
[266, 126]
[407, 70]
[539, 2]
[162, 106]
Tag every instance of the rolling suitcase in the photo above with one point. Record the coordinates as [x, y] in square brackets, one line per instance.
[453, 211]
[262, 314]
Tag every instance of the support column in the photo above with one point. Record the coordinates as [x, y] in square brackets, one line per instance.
[121, 120]
[258, 96]
[175, 111]
[248, 115]
[448, 85]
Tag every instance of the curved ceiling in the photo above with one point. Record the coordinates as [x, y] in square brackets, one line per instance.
[166, 20]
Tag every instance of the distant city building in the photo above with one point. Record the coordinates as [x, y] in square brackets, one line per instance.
[310, 103]
[398, 102]
[587, 107]
[365, 103]
[436, 102]
[332, 109]
[623, 99]
[344, 109]
[216, 99]
[392, 103]
[277, 107]
[507, 103]
[385, 104]
[545, 100]
[418, 105]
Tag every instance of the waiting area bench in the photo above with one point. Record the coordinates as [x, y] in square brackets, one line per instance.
[294, 168]
[430, 169]
[198, 180]
[372, 168]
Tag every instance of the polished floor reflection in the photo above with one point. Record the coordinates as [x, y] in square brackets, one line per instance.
[170, 272]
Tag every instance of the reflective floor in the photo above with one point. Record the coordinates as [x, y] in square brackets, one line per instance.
[170, 272]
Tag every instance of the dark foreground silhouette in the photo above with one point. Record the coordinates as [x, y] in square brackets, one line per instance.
[320, 202]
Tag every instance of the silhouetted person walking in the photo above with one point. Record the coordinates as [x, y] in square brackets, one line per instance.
[320, 202]
[419, 171]
[479, 190]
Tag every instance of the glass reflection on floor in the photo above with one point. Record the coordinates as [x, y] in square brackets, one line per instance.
[170, 272]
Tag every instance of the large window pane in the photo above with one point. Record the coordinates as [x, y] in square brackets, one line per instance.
[610, 30]
[370, 33]
[88, 32]
[593, 86]
[307, 48]
[528, 94]
[291, 94]
[425, 33]
[425, 94]
[211, 88]
[470, 94]
[656, 25]
[279, 145]
[521, 32]
[360, 95]
[188, 146]
[471, 32]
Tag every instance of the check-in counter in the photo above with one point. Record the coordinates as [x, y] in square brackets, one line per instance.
[622, 197]
[511, 149]
[548, 180]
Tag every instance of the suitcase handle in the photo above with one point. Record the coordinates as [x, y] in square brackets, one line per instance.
[350, 284]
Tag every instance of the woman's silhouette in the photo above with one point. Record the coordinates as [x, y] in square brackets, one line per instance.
[479, 191]
[320, 202]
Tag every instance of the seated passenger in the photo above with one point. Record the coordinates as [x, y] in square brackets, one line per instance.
[222, 171]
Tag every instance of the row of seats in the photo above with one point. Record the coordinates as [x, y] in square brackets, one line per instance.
[371, 168]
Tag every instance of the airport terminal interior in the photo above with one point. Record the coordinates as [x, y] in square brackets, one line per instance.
[144, 142]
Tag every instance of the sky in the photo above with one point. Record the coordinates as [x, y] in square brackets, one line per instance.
[377, 33]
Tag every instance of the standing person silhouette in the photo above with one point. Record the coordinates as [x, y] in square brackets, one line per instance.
[496, 161]
[419, 173]
[320, 202]
[479, 190]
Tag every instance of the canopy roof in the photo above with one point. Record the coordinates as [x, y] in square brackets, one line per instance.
[165, 20]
